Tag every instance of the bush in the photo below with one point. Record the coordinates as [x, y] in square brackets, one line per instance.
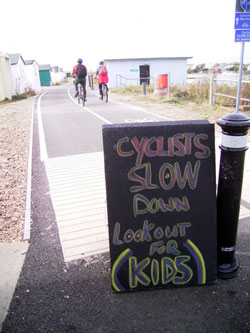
[197, 93]
[175, 101]
[245, 92]
[226, 90]
[19, 96]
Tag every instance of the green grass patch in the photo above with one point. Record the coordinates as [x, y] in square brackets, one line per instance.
[19, 97]
[132, 90]
[176, 101]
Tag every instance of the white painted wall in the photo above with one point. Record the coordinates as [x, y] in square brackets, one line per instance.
[57, 77]
[126, 72]
[20, 80]
[32, 72]
[6, 83]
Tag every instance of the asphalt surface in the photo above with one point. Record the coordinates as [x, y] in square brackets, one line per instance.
[52, 296]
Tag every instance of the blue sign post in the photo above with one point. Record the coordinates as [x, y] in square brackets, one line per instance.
[245, 5]
[242, 21]
[242, 6]
[242, 35]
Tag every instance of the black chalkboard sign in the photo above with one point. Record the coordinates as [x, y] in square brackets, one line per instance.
[161, 199]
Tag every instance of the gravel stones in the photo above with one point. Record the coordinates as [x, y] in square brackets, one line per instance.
[15, 125]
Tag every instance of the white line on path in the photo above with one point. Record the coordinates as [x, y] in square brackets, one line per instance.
[26, 235]
[43, 148]
[90, 111]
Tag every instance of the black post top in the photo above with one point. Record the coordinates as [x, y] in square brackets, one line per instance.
[236, 123]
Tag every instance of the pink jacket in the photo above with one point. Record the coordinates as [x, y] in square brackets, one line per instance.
[102, 75]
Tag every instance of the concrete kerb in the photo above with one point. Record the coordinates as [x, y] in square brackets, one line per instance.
[12, 258]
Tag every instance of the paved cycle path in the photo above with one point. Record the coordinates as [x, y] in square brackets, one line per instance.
[58, 295]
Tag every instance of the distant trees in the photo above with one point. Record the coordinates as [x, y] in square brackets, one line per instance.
[198, 69]
[234, 69]
[219, 68]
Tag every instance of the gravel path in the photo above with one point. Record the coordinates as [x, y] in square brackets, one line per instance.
[15, 124]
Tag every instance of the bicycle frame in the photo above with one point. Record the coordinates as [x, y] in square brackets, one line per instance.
[105, 92]
[80, 94]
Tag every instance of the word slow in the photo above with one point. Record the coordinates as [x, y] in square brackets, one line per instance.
[168, 176]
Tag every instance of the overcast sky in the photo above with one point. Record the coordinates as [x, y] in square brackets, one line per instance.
[58, 32]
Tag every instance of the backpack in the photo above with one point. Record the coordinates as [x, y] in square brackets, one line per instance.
[103, 70]
[81, 72]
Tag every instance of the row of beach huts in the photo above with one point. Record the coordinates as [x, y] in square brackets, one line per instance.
[19, 76]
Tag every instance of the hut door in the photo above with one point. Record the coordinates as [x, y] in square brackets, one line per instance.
[144, 74]
[45, 78]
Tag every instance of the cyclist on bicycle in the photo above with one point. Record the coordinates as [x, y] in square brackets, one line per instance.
[102, 75]
[79, 73]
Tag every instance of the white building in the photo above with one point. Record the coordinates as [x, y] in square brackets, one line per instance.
[32, 72]
[6, 82]
[135, 71]
[57, 74]
[18, 69]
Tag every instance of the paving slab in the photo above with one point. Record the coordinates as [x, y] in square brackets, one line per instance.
[12, 258]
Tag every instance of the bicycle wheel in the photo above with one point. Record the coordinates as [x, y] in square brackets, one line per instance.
[83, 97]
[79, 93]
[106, 94]
[102, 92]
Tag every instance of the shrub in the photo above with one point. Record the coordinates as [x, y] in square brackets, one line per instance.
[196, 92]
[245, 92]
[19, 96]
[175, 101]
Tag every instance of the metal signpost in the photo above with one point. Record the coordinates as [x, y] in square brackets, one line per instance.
[233, 146]
[242, 35]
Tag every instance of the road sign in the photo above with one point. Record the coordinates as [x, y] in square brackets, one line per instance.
[245, 5]
[242, 5]
[242, 21]
[242, 36]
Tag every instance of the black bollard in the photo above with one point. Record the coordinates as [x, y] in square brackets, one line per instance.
[233, 146]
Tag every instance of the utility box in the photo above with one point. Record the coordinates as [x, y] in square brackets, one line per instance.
[161, 84]
[163, 81]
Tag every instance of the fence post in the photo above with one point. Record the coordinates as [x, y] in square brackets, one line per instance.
[168, 74]
[212, 89]
[144, 88]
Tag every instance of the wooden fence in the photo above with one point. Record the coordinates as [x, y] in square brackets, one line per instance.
[213, 93]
